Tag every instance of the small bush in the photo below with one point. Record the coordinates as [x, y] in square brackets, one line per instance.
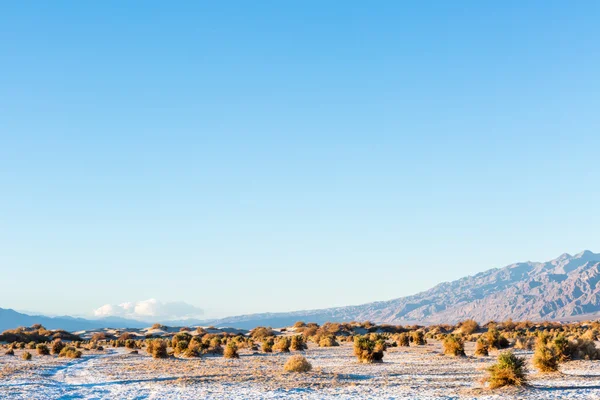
[297, 363]
[545, 358]
[157, 348]
[403, 340]
[454, 346]
[297, 343]
[367, 350]
[267, 345]
[561, 345]
[282, 344]
[510, 370]
[328, 341]
[495, 340]
[231, 351]
[469, 327]
[26, 356]
[9, 352]
[42, 349]
[525, 343]
[70, 352]
[261, 332]
[481, 348]
[418, 338]
[57, 347]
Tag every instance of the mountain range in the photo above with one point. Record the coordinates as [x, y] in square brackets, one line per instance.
[561, 289]
[565, 288]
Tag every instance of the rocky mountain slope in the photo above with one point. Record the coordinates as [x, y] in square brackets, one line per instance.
[563, 288]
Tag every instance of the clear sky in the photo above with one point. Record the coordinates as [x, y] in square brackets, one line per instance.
[270, 156]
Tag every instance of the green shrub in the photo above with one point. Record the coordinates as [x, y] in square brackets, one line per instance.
[495, 340]
[454, 346]
[367, 350]
[508, 371]
[545, 358]
[561, 345]
[297, 363]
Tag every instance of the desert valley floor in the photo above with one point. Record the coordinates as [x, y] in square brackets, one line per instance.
[407, 372]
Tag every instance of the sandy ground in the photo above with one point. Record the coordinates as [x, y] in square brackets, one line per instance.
[415, 372]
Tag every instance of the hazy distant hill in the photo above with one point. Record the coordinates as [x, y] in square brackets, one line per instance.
[563, 288]
[10, 319]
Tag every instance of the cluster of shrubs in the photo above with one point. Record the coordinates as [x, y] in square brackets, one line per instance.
[35, 334]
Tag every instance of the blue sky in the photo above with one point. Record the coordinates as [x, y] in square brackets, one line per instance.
[271, 156]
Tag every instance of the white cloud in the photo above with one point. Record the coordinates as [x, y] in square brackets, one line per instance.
[150, 309]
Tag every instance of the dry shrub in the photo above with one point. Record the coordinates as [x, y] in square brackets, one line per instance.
[561, 345]
[57, 346]
[418, 338]
[267, 345]
[481, 348]
[583, 349]
[181, 337]
[157, 348]
[367, 350]
[495, 340]
[282, 344]
[260, 332]
[42, 349]
[9, 352]
[231, 351]
[469, 327]
[402, 340]
[297, 343]
[328, 341]
[297, 363]
[70, 352]
[525, 343]
[545, 358]
[454, 346]
[510, 370]
[26, 356]
[181, 347]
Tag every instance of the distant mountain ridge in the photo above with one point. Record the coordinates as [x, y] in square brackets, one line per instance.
[563, 288]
